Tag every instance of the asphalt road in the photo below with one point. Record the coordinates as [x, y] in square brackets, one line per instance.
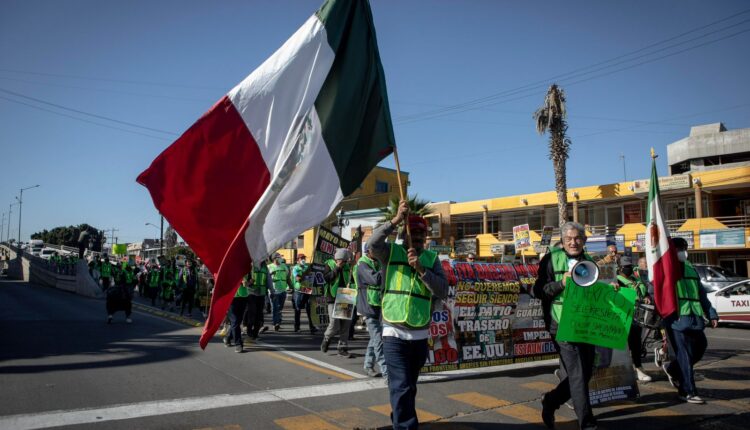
[61, 366]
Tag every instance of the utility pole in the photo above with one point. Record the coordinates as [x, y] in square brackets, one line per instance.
[112, 238]
[2, 227]
[624, 175]
[10, 212]
[161, 238]
[20, 208]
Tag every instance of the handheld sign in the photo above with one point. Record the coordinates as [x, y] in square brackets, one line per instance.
[597, 315]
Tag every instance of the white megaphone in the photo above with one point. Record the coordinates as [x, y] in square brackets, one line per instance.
[585, 273]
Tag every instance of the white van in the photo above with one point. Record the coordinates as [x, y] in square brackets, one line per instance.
[35, 247]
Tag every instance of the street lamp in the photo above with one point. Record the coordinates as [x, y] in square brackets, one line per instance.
[10, 212]
[20, 209]
[161, 240]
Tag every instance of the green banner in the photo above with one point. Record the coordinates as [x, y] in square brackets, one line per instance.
[596, 315]
[120, 248]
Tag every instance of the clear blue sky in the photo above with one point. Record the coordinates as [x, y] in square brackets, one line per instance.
[161, 64]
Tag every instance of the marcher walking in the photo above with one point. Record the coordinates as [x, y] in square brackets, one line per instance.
[301, 297]
[685, 327]
[414, 281]
[280, 276]
[337, 274]
[369, 281]
[258, 283]
[576, 358]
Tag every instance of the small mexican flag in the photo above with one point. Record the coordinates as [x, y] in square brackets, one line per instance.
[663, 266]
[277, 154]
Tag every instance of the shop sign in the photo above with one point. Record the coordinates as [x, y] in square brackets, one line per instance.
[546, 235]
[674, 182]
[598, 244]
[441, 249]
[724, 238]
[465, 246]
[640, 239]
[497, 248]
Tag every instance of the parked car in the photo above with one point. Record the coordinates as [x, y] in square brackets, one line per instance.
[732, 303]
[715, 278]
[46, 253]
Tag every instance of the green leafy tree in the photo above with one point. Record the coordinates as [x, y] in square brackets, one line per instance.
[551, 118]
[417, 206]
[70, 235]
[172, 252]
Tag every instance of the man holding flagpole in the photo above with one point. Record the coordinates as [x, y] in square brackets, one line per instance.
[678, 296]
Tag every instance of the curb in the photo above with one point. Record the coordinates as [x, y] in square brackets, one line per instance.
[168, 315]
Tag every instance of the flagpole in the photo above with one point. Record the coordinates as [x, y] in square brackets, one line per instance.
[401, 191]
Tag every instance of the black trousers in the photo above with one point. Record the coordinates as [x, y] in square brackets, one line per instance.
[635, 344]
[188, 298]
[577, 360]
[236, 311]
[254, 314]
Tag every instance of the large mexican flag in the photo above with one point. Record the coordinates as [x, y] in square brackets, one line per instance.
[277, 154]
[661, 255]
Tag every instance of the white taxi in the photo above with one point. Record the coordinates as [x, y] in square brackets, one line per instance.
[732, 303]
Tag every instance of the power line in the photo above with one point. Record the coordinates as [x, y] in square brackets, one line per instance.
[122, 81]
[84, 120]
[87, 113]
[574, 73]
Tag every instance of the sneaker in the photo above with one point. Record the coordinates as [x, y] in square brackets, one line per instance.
[227, 342]
[277, 327]
[324, 344]
[548, 412]
[239, 348]
[372, 373]
[694, 399]
[128, 320]
[264, 329]
[313, 330]
[658, 359]
[343, 352]
[109, 319]
[672, 380]
[642, 376]
[296, 329]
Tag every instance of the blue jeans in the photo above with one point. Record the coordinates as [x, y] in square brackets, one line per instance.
[688, 347]
[236, 312]
[375, 346]
[278, 299]
[405, 358]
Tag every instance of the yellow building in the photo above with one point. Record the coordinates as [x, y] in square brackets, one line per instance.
[378, 188]
[718, 228]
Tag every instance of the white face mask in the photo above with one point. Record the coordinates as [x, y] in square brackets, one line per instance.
[682, 256]
[303, 262]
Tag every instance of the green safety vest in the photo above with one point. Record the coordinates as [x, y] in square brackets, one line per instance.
[168, 276]
[129, 277]
[153, 278]
[106, 270]
[560, 267]
[374, 292]
[640, 289]
[687, 292]
[279, 275]
[259, 281]
[332, 288]
[298, 270]
[406, 300]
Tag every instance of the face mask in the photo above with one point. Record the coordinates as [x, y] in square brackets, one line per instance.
[682, 256]
[302, 262]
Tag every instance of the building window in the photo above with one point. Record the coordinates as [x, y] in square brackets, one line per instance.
[301, 241]
[381, 187]
[632, 213]
[698, 257]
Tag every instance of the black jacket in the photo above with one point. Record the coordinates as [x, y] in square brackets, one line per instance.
[547, 289]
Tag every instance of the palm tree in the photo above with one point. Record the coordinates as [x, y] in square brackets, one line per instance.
[551, 117]
[417, 206]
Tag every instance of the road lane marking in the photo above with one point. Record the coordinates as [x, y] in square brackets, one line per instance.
[59, 418]
[539, 386]
[226, 427]
[478, 400]
[310, 360]
[309, 366]
[422, 415]
[305, 422]
[348, 417]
